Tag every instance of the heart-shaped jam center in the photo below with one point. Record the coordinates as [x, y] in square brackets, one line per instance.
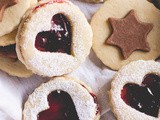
[144, 98]
[58, 38]
[61, 107]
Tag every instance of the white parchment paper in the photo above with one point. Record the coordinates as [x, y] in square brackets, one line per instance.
[14, 91]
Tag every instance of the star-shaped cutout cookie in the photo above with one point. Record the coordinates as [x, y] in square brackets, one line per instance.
[5, 4]
[129, 34]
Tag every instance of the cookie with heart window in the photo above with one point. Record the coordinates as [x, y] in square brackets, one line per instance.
[62, 98]
[54, 38]
[135, 91]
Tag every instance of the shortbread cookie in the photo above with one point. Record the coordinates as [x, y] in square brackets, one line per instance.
[14, 67]
[54, 38]
[11, 12]
[10, 63]
[110, 24]
[8, 39]
[62, 98]
[135, 90]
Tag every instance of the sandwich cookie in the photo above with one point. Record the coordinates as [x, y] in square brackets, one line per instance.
[135, 91]
[54, 38]
[126, 31]
[62, 98]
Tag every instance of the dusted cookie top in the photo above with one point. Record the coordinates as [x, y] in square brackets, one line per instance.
[136, 88]
[11, 13]
[62, 98]
[54, 38]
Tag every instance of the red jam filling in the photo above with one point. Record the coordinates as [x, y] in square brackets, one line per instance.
[144, 98]
[8, 51]
[61, 107]
[58, 38]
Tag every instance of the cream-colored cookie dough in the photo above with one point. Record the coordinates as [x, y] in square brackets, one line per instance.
[14, 67]
[79, 92]
[53, 63]
[131, 73]
[12, 16]
[111, 56]
[8, 39]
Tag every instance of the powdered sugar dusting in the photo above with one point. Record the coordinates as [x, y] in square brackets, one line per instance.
[131, 73]
[54, 64]
[83, 101]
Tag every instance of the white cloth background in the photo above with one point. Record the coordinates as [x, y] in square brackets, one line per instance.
[14, 91]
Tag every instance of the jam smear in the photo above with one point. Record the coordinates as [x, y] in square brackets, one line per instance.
[61, 107]
[144, 98]
[46, 3]
[94, 98]
[8, 51]
[58, 38]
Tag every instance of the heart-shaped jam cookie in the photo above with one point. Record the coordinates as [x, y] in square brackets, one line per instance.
[135, 91]
[144, 98]
[61, 107]
[62, 98]
[58, 38]
[54, 38]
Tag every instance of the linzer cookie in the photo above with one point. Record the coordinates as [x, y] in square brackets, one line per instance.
[11, 13]
[54, 38]
[126, 33]
[135, 89]
[10, 63]
[14, 9]
[62, 98]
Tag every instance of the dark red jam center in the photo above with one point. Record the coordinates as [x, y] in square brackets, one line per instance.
[144, 98]
[58, 38]
[8, 51]
[61, 107]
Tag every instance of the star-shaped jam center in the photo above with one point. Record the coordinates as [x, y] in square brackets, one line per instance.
[129, 34]
[5, 4]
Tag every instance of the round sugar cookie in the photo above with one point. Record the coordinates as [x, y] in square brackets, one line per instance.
[54, 38]
[62, 98]
[12, 15]
[111, 55]
[135, 89]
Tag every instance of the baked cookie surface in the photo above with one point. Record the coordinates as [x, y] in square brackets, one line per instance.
[16, 12]
[111, 55]
[74, 97]
[135, 91]
[56, 43]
